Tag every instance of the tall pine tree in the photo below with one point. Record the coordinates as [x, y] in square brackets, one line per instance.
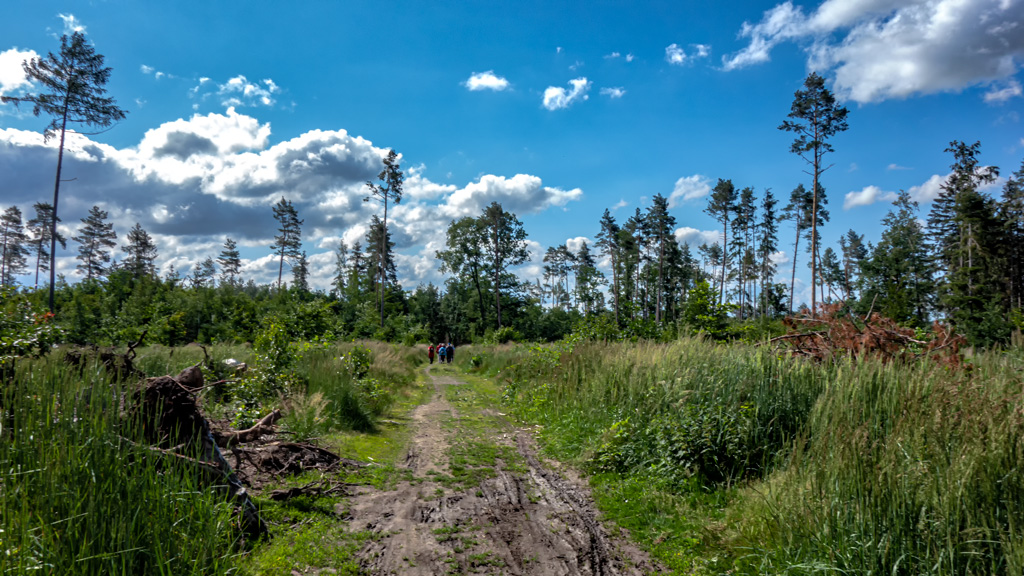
[95, 237]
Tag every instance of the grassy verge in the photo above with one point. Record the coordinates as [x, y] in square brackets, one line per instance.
[728, 458]
[81, 494]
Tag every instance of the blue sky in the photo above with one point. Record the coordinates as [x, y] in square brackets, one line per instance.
[557, 111]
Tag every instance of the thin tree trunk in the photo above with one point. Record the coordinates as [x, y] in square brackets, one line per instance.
[56, 194]
[792, 280]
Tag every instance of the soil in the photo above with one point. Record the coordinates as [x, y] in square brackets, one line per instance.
[528, 518]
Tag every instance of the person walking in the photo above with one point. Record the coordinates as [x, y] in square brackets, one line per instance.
[440, 353]
[430, 353]
[450, 350]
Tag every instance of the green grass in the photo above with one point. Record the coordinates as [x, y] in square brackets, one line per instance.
[735, 459]
[80, 493]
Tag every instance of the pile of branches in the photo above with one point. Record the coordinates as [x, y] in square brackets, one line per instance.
[175, 429]
[836, 332]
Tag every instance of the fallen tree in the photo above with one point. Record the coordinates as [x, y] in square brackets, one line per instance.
[836, 332]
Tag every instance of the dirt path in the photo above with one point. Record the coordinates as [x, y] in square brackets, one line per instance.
[481, 501]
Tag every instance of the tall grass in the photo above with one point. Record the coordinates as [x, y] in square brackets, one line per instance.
[909, 470]
[78, 497]
[855, 468]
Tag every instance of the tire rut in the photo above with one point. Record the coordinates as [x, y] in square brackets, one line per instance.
[525, 520]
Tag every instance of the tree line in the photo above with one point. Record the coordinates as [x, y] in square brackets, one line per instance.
[964, 265]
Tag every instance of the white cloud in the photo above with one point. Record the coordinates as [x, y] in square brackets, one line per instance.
[689, 188]
[695, 237]
[486, 81]
[882, 49]
[191, 182]
[867, 196]
[928, 191]
[999, 96]
[521, 194]
[612, 56]
[613, 92]
[629, 57]
[896, 167]
[620, 204]
[674, 54]
[71, 24]
[12, 75]
[146, 69]
[574, 244]
[556, 98]
[236, 92]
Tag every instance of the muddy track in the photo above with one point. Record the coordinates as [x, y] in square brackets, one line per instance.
[526, 518]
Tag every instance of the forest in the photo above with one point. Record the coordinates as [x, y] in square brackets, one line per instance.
[719, 423]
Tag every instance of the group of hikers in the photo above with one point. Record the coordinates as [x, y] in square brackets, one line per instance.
[445, 353]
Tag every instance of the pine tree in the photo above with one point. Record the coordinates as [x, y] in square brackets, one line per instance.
[768, 244]
[230, 262]
[968, 239]
[289, 237]
[141, 250]
[340, 268]
[854, 253]
[391, 178]
[41, 227]
[898, 276]
[661, 226]
[505, 247]
[13, 253]
[300, 274]
[608, 242]
[588, 281]
[203, 274]
[74, 93]
[96, 237]
[799, 211]
[816, 117]
[742, 245]
[1011, 212]
[378, 239]
[721, 206]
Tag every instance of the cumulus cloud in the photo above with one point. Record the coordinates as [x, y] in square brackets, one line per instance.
[612, 56]
[882, 49]
[556, 98]
[486, 81]
[12, 75]
[695, 237]
[613, 92]
[521, 194]
[929, 190]
[674, 54]
[192, 182]
[236, 92]
[867, 196]
[689, 188]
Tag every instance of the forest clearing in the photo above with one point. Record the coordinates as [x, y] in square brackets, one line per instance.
[579, 457]
[659, 349]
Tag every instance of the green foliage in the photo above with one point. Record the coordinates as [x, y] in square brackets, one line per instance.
[502, 335]
[23, 330]
[704, 313]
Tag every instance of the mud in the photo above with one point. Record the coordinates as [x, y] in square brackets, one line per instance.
[528, 519]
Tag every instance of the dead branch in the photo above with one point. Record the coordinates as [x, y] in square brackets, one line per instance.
[264, 426]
